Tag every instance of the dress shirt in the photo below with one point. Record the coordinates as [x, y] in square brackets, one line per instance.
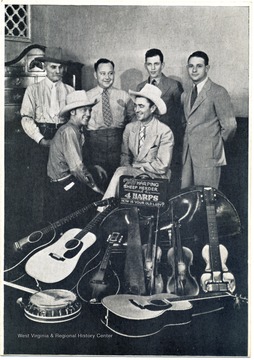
[201, 85]
[36, 106]
[65, 154]
[120, 105]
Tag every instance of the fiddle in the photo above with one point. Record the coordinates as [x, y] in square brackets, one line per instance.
[152, 257]
[181, 282]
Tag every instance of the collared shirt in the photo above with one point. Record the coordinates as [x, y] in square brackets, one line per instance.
[65, 154]
[120, 105]
[157, 80]
[201, 85]
[36, 106]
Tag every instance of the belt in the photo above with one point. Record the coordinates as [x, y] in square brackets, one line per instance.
[49, 125]
[105, 131]
[59, 180]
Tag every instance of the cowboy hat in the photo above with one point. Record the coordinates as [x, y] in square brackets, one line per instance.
[152, 93]
[75, 100]
[52, 54]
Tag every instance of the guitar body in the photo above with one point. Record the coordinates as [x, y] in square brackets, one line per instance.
[92, 288]
[131, 315]
[57, 261]
[181, 282]
[24, 248]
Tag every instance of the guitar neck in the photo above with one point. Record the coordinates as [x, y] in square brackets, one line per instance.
[215, 258]
[96, 221]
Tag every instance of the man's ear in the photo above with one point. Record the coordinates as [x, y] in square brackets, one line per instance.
[162, 65]
[153, 108]
[73, 112]
[95, 75]
[207, 68]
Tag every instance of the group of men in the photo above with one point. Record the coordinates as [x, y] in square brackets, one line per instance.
[84, 141]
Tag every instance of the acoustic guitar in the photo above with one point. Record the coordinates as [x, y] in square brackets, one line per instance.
[57, 261]
[217, 276]
[39, 239]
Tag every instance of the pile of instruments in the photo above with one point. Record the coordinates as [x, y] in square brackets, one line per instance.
[146, 267]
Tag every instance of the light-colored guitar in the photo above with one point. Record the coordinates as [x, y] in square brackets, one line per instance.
[57, 261]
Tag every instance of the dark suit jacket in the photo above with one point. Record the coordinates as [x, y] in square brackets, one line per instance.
[171, 94]
[209, 123]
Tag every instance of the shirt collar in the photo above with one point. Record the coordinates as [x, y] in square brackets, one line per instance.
[100, 89]
[158, 79]
[201, 84]
[50, 83]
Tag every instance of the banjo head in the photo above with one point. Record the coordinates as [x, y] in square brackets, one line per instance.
[52, 306]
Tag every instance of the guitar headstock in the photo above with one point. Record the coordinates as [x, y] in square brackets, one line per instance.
[209, 195]
[115, 238]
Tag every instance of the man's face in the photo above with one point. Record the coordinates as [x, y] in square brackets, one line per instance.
[54, 71]
[105, 75]
[154, 66]
[197, 69]
[143, 109]
[82, 115]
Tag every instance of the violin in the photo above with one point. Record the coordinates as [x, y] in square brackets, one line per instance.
[180, 258]
[152, 257]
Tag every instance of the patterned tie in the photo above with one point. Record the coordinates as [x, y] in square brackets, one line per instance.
[194, 95]
[106, 111]
[141, 137]
[54, 101]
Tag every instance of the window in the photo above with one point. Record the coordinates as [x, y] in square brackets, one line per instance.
[17, 22]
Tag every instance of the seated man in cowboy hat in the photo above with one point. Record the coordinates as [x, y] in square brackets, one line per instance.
[70, 179]
[40, 120]
[147, 145]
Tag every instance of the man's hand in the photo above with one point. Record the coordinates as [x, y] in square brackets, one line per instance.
[91, 183]
[101, 172]
[45, 142]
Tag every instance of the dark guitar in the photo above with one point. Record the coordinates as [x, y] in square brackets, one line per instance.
[101, 280]
[57, 261]
[39, 239]
[180, 258]
[217, 276]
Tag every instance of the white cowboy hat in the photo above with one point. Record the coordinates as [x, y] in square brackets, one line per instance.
[152, 93]
[75, 100]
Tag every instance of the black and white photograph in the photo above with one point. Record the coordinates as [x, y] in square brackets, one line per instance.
[126, 177]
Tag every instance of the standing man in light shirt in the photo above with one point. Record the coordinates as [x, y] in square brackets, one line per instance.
[209, 122]
[171, 94]
[108, 119]
[40, 120]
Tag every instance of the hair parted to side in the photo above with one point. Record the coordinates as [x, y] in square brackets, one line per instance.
[103, 61]
[200, 54]
[154, 52]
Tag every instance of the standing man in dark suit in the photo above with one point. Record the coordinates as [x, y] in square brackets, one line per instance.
[210, 121]
[171, 95]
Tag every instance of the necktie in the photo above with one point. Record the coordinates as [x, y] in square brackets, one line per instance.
[141, 137]
[154, 82]
[106, 111]
[194, 95]
[54, 102]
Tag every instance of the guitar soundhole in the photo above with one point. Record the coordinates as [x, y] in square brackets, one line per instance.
[71, 244]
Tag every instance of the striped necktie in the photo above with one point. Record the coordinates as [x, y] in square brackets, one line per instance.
[106, 111]
[141, 137]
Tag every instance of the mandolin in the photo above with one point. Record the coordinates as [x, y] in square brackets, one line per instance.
[217, 276]
[57, 261]
[101, 280]
[39, 239]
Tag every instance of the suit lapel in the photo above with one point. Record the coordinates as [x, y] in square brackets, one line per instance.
[201, 97]
[151, 135]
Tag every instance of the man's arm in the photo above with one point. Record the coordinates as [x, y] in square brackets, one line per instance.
[225, 114]
[28, 115]
[126, 155]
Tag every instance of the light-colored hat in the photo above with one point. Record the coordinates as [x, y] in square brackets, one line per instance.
[152, 93]
[52, 54]
[75, 100]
